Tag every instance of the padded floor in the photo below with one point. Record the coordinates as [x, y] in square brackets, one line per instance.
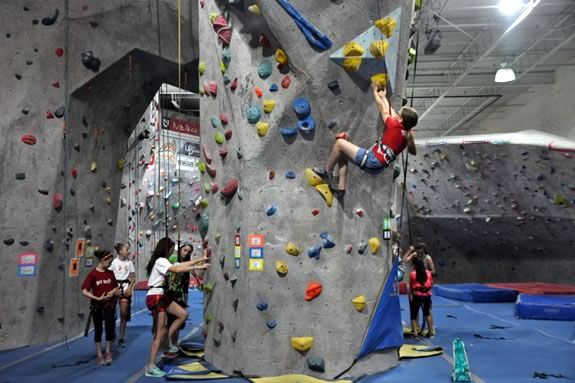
[536, 288]
[550, 307]
[475, 292]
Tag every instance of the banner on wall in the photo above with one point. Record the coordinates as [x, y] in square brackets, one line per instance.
[27, 264]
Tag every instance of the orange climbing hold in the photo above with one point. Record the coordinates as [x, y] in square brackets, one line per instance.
[259, 91]
[313, 290]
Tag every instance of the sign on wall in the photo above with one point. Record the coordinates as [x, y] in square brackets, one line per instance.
[74, 267]
[256, 244]
[27, 264]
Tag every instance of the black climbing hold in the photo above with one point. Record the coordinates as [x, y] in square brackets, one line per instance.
[84, 121]
[104, 184]
[51, 19]
[85, 135]
[20, 176]
[90, 61]
[332, 124]
[93, 24]
[234, 303]
[43, 191]
[8, 35]
[29, 62]
[110, 222]
[35, 21]
[73, 191]
[404, 101]
[25, 111]
[60, 112]
[24, 243]
[18, 76]
[77, 147]
[49, 246]
[316, 363]
[333, 85]
[9, 241]
[26, 9]
[92, 208]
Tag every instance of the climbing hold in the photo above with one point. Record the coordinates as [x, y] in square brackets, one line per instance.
[207, 156]
[271, 174]
[209, 317]
[211, 171]
[281, 267]
[326, 193]
[223, 152]
[57, 201]
[274, 88]
[90, 61]
[25, 111]
[208, 287]
[331, 124]
[348, 248]
[264, 41]
[313, 290]
[28, 139]
[228, 134]
[362, 247]
[303, 343]
[121, 164]
[316, 363]
[306, 125]
[333, 85]
[380, 80]
[290, 174]
[301, 108]
[271, 210]
[224, 119]
[271, 324]
[288, 132]
[560, 200]
[265, 69]
[51, 19]
[292, 249]
[74, 172]
[314, 252]
[312, 178]
[286, 81]
[239, 153]
[59, 52]
[226, 276]
[378, 48]
[262, 128]
[219, 138]
[202, 68]
[467, 210]
[201, 168]
[223, 30]
[230, 188]
[353, 49]
[373, 245]
[20, 176]
[212, 88]
[204, 224]
[43, 191]
[207, 187]
[234, 84]
[220, 326]
[233, 280]
[9, 241]
[255, 9]
[49, 246]
[281, 57]
[49, 115]
[93, 167]
[315, 212]
[351, 64]
[359, 212]
[472, 165]
[386, 25]
[262, 306]
[215, 122]
[258, 91]
[328, 242]
[269, 105]
[254, 114]
[111, 222]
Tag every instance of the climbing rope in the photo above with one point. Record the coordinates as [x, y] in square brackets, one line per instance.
[314, 36]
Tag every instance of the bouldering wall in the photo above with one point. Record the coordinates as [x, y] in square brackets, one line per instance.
[62, 157]
[274, 239]
[495, 208]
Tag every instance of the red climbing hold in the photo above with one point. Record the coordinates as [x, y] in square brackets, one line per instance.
[56, 84]
[228, 134]
[230, 189]
[215, 188]
[59, 52]
[313, 290]
[211, 171]
[271, 174]
[224, 119]
[28, 139]
[49, 115]
[234, 84]
[207, 156]
[213, 86]
[223, 30]
[57, 201]
[286, 82]
[223, 152]
[85, 8]
[315, 212]
[259, 91]
[74, 172]
[202, 3]
[264, 41]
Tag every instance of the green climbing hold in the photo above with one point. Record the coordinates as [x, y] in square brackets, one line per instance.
[204, 224]
[176, 205]
[202, 167]
[208, 287]
[202, 68]
[20, 176]
[560, 200]
[219, 138]
[204, 203]
[209, 318]
[207, 187]
[265, 69]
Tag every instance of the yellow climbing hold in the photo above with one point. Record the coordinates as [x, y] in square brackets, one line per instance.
[379, 79]
[269, 105]
[202, 167]
[281, 56]
[281, 267]
[312, 178]
[353, 49]
[302, 343]
[323, 189]
[203, 203]
[351, 64]
[108, 200]
[255, 9]
[223, 67]
[359, 302]
[373, 245]
[213, 16]
[121, 164]
[386, 25]
[379, 48]
[93, 166]
[292, 249]
[202, 68]
[262, 128]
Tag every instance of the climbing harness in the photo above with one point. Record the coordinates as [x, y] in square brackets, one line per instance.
[314, 36]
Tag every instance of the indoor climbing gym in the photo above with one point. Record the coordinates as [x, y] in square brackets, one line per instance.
[287, 191]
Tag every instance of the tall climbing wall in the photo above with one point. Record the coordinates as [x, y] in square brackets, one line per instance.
[287, 263]
[62, 157]
[495, 208]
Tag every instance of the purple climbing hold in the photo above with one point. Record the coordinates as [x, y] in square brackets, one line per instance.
[90, 61]
[288, 132]
[328, 242]
[271, 324]
[314, 252]
[306, 125]
[272, 210]
[51, 19]
[290, 174]
[262, 306]
[274, 87]
[301, 108]
[333, 85]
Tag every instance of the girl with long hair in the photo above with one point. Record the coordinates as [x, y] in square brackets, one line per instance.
[420, 285]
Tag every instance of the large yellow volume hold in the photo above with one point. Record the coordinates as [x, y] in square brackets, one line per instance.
[351, 64]
[312, 178]
[302, 343]
[379, 48]
[353, 49]
[380, 80]
[323, 189]
[386, 25]
[359, 302]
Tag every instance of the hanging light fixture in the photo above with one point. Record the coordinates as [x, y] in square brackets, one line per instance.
[504, 74]
[510, 7]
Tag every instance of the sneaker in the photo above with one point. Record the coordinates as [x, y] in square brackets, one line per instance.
[172, 352]
[338, 194]
[154, 372]
[122, 343]
[431, 334]
[322, 173]
[108, 359]
[100, 360]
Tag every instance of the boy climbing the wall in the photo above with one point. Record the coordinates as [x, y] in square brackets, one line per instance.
[396, 137]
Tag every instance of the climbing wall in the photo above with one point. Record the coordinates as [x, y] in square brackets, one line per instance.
[495, 208]
[56, 191]
[262, 217]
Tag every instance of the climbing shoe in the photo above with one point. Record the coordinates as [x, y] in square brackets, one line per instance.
[100, 360]
[338, 194]
[172, 352]
[108, 358]
[322, 173]
[122, 343]
[155, 372]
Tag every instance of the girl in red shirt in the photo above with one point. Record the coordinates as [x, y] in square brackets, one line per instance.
[420, 284]
[100, 287]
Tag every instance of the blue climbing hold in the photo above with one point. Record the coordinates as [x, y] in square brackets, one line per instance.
[227, 80]
[290, 174]
[314, 36]
[328, 242]
[272, 210]
[314, 252]
[306, 125]
[274, 88]
[288, 132]
[262, 306]
[215, 122]
[332, 124]
[226, 56]
[301, 108]
[271, 324]
[265, 69]
[254, 114]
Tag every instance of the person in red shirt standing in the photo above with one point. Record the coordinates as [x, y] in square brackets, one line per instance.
[420, 285]
[100, 286]
[395, 138]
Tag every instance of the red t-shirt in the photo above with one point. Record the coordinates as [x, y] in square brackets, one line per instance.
[421, 290]
[394, 136]
[100, 283]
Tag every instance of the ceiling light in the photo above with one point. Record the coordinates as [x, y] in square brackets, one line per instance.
[504, 74]
[510, 7]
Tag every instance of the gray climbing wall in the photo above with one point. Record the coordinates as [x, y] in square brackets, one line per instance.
[495, 213]
[238, 338]
[103, 109]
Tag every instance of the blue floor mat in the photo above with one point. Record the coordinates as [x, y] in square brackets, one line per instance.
[550, 307]
[475, 292]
